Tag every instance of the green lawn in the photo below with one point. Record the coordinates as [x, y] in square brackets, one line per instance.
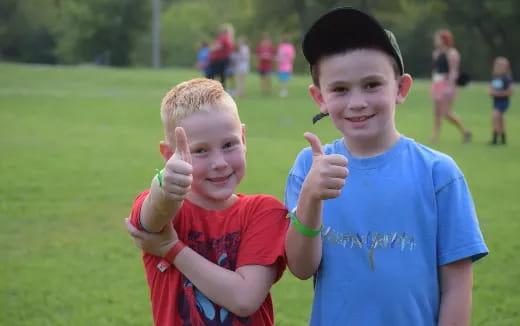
[78, 143]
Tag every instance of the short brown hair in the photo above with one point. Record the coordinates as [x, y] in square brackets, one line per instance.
[315, 68]
[190, 97]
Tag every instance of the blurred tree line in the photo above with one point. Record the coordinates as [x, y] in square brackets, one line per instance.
[118, 32]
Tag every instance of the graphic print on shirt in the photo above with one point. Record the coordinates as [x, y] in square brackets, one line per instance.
[194, 307]
[371, 240]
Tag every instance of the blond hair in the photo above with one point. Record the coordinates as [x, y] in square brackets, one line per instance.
[192, 96]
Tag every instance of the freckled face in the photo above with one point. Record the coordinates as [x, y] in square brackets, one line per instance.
[217, 145]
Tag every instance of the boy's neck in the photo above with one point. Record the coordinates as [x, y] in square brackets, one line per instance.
[366, 149]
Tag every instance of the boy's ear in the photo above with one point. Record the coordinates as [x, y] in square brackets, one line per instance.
[317, 97]
[165, 149]
[405, 83]
[244, 135]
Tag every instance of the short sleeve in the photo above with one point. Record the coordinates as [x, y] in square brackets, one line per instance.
[263, 239]
[459, 234]
[296, 177]
[136, 209]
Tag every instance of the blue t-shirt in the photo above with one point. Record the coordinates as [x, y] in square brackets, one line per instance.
[399, 217]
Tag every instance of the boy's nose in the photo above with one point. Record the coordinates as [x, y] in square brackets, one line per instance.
[219, 161]
[356, 101]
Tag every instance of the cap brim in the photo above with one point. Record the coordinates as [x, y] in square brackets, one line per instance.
[346, 28]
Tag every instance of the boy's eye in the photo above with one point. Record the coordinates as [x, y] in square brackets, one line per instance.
[339, 89]
[372, 85]
[199, 151]
[228, 145]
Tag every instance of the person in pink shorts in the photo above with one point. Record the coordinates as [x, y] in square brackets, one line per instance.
[446, 61]
[285, 56]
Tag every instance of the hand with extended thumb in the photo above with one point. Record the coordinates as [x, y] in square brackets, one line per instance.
[177, 176]
[328, 172]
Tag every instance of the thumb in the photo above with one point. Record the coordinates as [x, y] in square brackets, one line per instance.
[315, 143]
[181, 145]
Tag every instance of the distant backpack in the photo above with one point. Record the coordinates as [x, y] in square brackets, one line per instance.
[463, 79]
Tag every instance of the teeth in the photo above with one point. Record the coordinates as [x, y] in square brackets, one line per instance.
[358, 119]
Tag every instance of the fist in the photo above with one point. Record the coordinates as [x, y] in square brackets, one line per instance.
[177, 176]
[327, 175]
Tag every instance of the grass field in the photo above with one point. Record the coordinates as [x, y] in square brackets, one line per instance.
[78, 143]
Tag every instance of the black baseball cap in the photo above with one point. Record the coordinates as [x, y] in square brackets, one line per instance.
[348, 28]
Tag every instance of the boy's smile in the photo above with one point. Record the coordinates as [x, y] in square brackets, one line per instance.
[359, 89]
[217, 144]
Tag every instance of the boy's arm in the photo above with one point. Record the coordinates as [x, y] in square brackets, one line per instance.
[456, 282]
[324, 181]
[242, 291]
[164, 200]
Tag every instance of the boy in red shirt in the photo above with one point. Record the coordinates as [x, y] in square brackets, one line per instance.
[211, 256]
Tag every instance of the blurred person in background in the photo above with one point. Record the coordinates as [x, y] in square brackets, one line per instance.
[285, 56]
[446, 62]
[242, 66]
[220, 53]
[500, 90]
[265, 53]
[202, 57]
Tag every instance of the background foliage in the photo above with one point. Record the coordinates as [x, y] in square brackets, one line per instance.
[118, 32]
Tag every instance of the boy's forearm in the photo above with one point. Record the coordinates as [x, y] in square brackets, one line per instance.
[157, 209]
[303, 252]
[241, 291]
[456, 290]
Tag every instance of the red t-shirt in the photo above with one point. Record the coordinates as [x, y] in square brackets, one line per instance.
[265, 53]
[225, 49]
[249, 232]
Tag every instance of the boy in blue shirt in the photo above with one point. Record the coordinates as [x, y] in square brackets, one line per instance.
[391, 239]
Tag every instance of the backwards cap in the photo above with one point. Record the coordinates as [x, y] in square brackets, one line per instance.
[348, 28]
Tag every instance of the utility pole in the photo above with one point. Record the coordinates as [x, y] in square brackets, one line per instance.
[156, 33]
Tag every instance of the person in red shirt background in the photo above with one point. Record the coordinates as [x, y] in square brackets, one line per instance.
[220, 53]
[265, 53]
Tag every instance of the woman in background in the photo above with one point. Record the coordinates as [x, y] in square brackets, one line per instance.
[446, 60]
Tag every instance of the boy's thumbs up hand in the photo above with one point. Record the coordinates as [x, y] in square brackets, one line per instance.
[328, 172]
[177, 176]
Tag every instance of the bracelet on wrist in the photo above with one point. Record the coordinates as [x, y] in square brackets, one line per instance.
[159, 176]
[302, 228]
[174, 251]
[169, 258]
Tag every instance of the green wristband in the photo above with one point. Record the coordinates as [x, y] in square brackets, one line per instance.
[159, 177]
[302, 228]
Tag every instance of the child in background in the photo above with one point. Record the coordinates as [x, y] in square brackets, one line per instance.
[211, 255]
[500, 89]
[265, 53]
[202, 57]
[231, 72]
[391, 239]
[285, 56]
[242, 66]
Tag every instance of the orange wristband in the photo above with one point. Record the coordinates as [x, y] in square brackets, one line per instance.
[174, 251]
